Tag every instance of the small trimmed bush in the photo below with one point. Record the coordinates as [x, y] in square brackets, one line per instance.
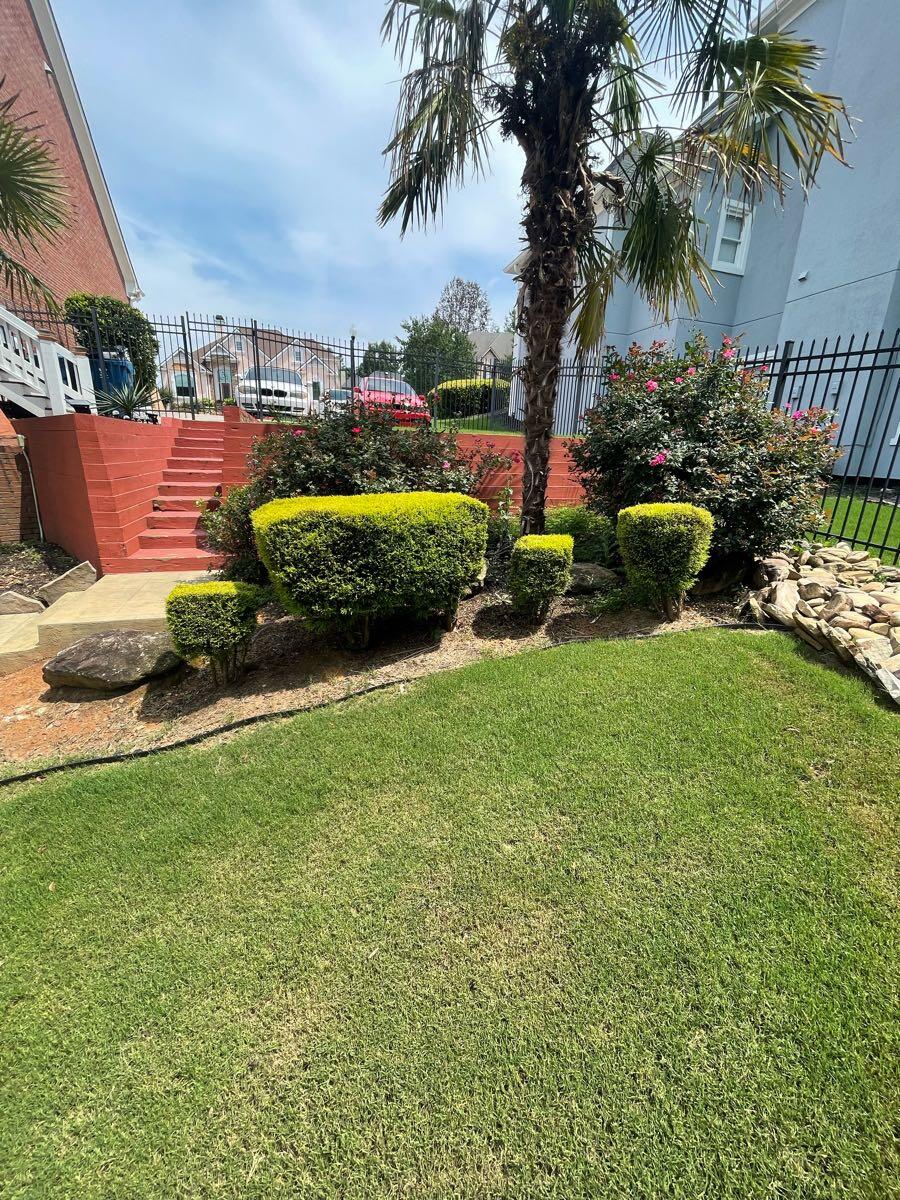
[540, 570]
[346, 561]
[664, 547]
[214, 620]
[593, 533]
[468, 397]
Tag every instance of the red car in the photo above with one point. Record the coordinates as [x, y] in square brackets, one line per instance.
[391, 394]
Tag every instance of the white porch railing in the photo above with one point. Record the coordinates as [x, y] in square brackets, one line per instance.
[38, 374]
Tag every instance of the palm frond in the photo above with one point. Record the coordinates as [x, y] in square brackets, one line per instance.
[440, 129]
[31, 193]
[762, 109]
[675, 29]
[599, 267]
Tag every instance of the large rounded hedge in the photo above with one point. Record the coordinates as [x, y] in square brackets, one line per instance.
[348, 560]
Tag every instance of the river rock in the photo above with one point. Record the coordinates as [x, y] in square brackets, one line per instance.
[592, 577]
[110, 661]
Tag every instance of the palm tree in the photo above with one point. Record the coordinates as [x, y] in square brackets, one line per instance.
[573, 83]
[32, 207]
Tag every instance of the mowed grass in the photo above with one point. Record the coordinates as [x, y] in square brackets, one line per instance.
[616, 920]
[852, 516]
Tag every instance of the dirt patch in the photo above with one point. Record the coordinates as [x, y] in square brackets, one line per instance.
[27, 566]
[290, 667]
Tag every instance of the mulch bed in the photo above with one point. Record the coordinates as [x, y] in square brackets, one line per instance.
[291, 667]
[25, 567]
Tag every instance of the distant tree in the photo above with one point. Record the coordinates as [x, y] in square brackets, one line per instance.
[464, 305]
[380, 356]
[511, 324]
[435, 350]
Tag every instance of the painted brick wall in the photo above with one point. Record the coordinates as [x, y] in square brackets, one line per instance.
[82, 258]
[564, 487]
[18, 522]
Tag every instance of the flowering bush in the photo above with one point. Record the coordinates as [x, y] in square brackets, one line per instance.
[341, 454]
[697, 427]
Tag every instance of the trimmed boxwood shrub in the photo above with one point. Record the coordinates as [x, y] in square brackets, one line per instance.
[214, 620]
[664, 547]
[593, 533]
[540, 570]
[346, 561]
[468, 397]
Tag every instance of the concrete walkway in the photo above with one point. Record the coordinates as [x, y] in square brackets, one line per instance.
[113, 602]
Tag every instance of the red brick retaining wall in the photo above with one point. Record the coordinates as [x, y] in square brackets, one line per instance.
[18, 521]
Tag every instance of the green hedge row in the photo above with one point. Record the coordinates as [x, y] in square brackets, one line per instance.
[468, 397]
[348, 560]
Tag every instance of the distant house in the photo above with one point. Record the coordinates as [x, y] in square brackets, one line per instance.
[90, 255]
[215, 370]
[492, 346]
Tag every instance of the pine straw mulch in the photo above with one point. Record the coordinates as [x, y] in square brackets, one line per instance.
[290, 667]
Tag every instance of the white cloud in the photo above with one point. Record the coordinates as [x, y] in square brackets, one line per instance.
[243, 149]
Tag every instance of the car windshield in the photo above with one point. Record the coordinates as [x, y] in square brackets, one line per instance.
[274, 375]
[387, 383]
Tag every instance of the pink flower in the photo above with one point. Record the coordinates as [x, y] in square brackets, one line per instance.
[763, 369]
[729, 353]
[356, 429]
[630, 375]
[727, 341]
[660, 460]
[298, 432]
[678, 379]
[652, 385]
[692, 370]
[797, 416]
[614, 378]
[445, 465]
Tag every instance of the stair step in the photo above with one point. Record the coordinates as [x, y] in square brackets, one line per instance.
[170, 539]
[173, 560]
[177, 503]
[193, 462]
[184, 488]
[189, 474]
[175, 519]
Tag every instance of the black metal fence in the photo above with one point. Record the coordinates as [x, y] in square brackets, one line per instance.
[202, 363]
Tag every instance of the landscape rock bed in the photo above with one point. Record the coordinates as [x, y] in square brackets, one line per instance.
[836, 599]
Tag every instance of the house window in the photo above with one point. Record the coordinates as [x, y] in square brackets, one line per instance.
[68, 372]
[298, 355]
[183, 384]
[239, 344]
[224, 376]
[733, 238]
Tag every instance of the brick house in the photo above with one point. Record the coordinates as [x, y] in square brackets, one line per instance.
[90, 254]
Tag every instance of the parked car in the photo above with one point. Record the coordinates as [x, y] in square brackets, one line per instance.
[278, 388]
[382, 392]
[339, 398]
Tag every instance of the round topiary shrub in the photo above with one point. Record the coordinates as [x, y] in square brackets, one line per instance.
[664, 547]
[593, 533]
[214, 620]
[346, 561]
[540, 569]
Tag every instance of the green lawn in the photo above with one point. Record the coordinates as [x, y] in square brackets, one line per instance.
[852, 516]
[614, 921]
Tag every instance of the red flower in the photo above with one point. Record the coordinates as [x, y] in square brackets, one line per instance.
[356, 429]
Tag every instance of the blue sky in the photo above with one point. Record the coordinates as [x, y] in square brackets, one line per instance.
[242, 146]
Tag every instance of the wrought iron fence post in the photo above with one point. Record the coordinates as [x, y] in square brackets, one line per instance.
[189, 364]
[101, 357]
[781, 378]
[352, 363]
[254, 337]
[493, 387]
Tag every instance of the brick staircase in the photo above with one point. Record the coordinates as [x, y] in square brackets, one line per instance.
[173, 539]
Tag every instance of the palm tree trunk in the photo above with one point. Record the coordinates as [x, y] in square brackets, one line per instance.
[559, 213]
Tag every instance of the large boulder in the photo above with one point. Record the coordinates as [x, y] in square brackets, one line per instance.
[110, 661]
[14, 603]
[591, 577]
[78, 579]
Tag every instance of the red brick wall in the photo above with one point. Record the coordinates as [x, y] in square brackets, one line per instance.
[81, 259]
[18, 522]
[96, 481]
[564, 487]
